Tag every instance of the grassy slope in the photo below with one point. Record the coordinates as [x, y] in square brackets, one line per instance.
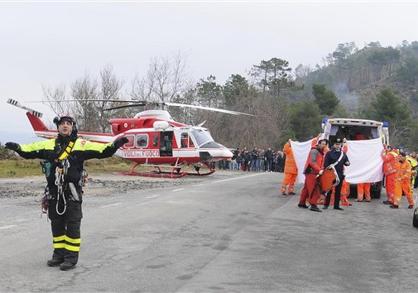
[21, 168]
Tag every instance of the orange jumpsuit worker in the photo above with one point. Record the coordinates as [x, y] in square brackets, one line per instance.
[313, 168]
[363, 191]
[345, 194]
[290, 171]
[403, 181]
[389, 161]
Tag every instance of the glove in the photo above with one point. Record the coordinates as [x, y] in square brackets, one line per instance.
[120, 142]
[12, 146]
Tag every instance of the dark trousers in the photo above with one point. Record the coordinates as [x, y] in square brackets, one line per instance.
[337, 195]
[65, 230]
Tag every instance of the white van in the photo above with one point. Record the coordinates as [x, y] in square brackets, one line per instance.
[352, 129]
[356, 129]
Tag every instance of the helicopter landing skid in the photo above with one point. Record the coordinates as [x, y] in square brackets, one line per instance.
[170, 172]
[158, 172]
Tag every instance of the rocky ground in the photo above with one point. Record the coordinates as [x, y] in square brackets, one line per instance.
[102, 184]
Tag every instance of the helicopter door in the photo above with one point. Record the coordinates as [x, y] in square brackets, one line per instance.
[166, 145]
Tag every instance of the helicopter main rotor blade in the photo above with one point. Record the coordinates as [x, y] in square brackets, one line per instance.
[134, 103]
[207, 108]
[17, 104]
[89, 100]
[124, 106]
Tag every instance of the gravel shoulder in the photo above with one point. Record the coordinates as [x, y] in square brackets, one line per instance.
[104, 184]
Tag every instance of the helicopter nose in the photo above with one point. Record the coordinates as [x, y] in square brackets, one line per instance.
[216, 154]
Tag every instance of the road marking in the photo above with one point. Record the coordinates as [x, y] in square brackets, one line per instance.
[178, 189]
[7, 227]
[111, 205]
[239, 177]
[152, 196]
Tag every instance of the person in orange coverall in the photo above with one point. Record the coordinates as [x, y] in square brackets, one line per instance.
[403, 181]
[389, 161]
[290, 171]
[345, 189]
[313, 168]
[363, 191]
[345, 194]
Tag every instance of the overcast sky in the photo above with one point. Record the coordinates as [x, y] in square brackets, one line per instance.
[53, 44]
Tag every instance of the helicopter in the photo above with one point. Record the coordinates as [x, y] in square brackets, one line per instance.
[154, 140]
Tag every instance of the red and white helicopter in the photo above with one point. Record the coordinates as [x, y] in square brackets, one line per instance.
[155, 139]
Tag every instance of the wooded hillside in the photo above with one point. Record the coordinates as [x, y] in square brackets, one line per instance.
[372, 82]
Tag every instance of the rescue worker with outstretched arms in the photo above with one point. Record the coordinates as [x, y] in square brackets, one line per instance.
[64, 158]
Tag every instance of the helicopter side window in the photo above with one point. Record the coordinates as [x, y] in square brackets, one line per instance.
[184, 139]
[142, 140]
[130, 142]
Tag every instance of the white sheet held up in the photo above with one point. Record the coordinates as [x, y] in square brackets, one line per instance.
[365, 161]
[301, 152]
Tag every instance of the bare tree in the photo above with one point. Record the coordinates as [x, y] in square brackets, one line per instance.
[90, 99]
[84, 90]
[55, 99]
[164, 80]
[110, 88]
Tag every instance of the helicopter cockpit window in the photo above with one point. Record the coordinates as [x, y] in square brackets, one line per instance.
[202, 136]
[142, 140]
[155, 140]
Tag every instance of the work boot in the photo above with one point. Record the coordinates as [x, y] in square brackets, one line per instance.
[325, 207]
[338, 208]
[314, 208]
[303, 206]
[65, 266]
[284, 193]
[387, 202]
[411, 206]
[292, 193]
[54, 262]
[394, 206]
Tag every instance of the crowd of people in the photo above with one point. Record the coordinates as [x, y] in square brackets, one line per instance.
[399, 168]
[256, 160]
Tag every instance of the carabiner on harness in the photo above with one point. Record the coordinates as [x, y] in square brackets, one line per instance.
[60, 172]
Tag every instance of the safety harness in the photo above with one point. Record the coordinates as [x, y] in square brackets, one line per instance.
[60, 173]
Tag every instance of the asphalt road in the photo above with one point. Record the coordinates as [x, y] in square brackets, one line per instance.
[222, 234]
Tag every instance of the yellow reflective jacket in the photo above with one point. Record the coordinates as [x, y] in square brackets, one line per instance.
[50, 151]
